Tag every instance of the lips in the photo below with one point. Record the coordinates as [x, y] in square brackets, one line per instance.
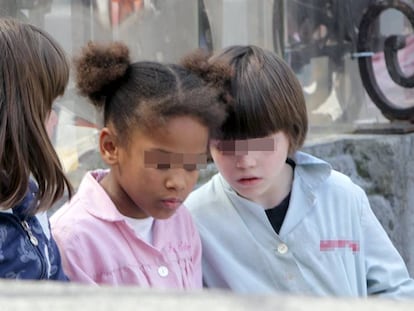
[172, 203]
[248, 180]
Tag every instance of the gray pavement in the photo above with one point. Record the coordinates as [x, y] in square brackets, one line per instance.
[47, 296]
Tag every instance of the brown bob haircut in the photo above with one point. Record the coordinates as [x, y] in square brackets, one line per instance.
[34, 71]
[267, 97]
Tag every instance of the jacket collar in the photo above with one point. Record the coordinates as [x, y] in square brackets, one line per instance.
[313, 171]
[310, 173]
[98, 202]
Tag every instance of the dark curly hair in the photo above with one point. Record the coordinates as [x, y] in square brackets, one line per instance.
[145, 94]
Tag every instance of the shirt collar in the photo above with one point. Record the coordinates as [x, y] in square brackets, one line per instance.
[98, 202]
[312, 170]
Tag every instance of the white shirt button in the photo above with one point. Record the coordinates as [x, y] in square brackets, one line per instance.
[163, 271]
[282, 248]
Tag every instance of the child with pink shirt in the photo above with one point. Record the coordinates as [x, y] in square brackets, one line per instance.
[126, 224]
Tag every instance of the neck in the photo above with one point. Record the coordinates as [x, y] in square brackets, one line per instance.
[280, 190]
[119, 197]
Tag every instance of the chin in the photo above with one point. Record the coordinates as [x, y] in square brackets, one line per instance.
[165, 215]
[245, 194]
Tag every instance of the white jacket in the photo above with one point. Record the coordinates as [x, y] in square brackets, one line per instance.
[330, 242]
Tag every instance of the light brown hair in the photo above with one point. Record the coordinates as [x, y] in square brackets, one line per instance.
[265, 94]
[34, 72]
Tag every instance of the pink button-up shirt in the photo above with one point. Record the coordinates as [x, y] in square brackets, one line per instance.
[99, 247]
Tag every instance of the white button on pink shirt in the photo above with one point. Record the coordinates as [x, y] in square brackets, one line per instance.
[163, 271]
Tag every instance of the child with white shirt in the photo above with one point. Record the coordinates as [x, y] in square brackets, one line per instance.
[34, 72]
[275, 219]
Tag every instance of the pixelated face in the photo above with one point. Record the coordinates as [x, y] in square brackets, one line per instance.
[254, 168]
[159, 169]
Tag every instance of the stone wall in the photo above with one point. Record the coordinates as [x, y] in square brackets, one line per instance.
[383, 166]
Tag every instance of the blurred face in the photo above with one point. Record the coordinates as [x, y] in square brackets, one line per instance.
[156, 172]
[255, 168]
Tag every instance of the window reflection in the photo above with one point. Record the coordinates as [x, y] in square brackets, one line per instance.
[311, 36]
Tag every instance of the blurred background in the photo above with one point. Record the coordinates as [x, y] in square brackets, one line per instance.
[336, 49]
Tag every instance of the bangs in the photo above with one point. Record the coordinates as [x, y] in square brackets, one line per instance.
[267, 98]
[248, 123]
[255, 113]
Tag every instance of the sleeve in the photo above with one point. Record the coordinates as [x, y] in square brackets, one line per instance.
[386, 273]
[58, 273]
[77, 263]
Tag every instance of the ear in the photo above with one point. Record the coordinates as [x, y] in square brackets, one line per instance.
[108, 146]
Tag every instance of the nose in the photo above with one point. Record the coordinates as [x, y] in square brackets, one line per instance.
[176, 180]
[245, 161]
